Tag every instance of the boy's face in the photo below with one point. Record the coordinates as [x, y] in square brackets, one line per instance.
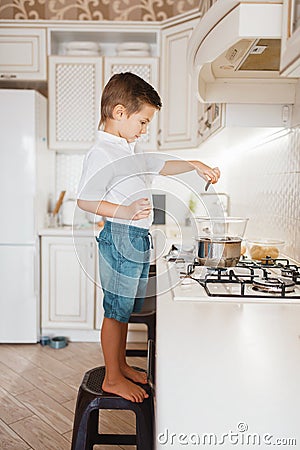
[132, 127]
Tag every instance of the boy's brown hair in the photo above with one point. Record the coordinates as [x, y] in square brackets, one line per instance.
[129, 90]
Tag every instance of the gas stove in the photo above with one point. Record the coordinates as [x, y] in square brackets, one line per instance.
[276, 279]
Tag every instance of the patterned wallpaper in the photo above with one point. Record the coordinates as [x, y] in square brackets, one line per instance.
[147, 10]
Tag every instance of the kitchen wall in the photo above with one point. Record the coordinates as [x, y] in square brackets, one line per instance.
[264, 185]
[68, 171]
[94, 9]
[261, 176]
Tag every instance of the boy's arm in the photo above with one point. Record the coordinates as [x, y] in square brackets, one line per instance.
[174, 167]
[139, 209]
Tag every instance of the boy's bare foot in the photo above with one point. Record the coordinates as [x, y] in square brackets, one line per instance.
[125, 389]
[135, 375]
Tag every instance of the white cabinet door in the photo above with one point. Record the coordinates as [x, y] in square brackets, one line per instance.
[19, 300]
[146, 68]
[179, 115]
[74, 101]
[290, 42]
[23, 54]
[68, 290]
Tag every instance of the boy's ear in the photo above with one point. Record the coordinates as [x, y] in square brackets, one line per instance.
[118, 112]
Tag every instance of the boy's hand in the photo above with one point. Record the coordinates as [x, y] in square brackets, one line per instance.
[139, 209]
[208, 173]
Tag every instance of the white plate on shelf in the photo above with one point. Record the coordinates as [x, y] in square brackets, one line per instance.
[82, 45]
[133, 53]
[82, 53]
[135, 46]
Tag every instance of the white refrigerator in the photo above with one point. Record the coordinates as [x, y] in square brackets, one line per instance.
[26, 179]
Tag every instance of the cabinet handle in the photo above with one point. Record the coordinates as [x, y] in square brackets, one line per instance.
[8, 75]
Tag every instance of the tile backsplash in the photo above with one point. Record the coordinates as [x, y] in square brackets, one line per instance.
[264, 185]
[68, 172]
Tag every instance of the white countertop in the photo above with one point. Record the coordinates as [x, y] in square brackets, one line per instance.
[70, 231]
[165, 232]
[220, 364]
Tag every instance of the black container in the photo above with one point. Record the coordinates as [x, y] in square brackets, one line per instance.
[159, 209]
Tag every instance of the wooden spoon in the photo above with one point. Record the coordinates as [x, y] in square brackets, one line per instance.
[59, 202]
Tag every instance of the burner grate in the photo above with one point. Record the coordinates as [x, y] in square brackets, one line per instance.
[274, 284]
[255, 275]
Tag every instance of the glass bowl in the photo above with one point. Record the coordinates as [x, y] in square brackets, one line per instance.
[221, 226]
[259, 249]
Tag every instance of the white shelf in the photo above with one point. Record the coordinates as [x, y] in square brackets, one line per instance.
[108, 38]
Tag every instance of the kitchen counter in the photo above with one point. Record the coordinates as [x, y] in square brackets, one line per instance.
[164, 234]
[169, 230]
[225, 367]
[70, 231]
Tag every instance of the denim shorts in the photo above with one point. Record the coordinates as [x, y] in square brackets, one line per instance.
[124, 260]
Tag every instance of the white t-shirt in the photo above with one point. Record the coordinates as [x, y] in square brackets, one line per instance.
[112, 171]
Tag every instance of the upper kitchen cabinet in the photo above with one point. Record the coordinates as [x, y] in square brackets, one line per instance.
[290, 45]
[234, 54]
[23, 54]
[74, 92]
[179, 115]
[80, 64]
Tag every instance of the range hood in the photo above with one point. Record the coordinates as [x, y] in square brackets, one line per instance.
[234, 54]
[247, 125]
[249, 58]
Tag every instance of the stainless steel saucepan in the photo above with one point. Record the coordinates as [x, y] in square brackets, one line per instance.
[218, 251]
[218, 243]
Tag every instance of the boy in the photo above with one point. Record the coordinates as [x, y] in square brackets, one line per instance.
[114, 185]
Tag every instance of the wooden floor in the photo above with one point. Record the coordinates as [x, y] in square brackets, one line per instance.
[38, 390]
